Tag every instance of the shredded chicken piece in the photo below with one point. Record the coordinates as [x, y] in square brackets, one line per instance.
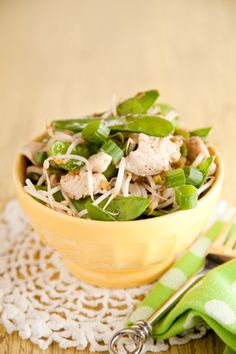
[182, 162]
[177, 139]
[195, 147]
[153, 155]
[212, 169]
[114, 105]
[99, 162]
[54, 180]
[154, 201]
[31, 149]
[34, 169]
[68, 131]
[125, 185]
[135, 190]
[76, 184]
[130, 145]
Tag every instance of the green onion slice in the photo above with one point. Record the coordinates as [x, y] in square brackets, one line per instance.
[186, 197]
[39, 157]
[96, 132]
[110, 172]
[112, 149]
[175, 178]
[184, 151]
[60, 148]
[33, 176]
[205, 167]
[193, 176]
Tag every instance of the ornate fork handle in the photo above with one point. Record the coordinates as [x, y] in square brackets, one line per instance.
[223, 250]
[141, 330]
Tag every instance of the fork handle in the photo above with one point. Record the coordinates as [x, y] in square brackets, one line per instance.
[141, 330]
[161, 311]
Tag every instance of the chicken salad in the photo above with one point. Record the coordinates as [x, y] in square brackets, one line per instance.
[131, 162]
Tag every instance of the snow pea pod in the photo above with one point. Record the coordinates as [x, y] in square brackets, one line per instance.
[148, 124]
[57, 195]
[136, 123]
[140, 103]
[97, 213]
[76, 125]
[166, 109]
[121, 209]
[155, 212]
[203, 132]
[81, 203]
[127, 208]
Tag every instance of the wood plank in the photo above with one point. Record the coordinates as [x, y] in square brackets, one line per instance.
[14, 344]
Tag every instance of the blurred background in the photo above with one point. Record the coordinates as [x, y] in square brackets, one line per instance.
[64, 58]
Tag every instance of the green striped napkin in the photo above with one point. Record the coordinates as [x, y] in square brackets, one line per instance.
[212, 300]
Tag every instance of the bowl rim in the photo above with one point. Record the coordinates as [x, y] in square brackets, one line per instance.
[73, 219]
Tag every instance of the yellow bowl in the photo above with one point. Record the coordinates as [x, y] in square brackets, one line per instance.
[117, 254]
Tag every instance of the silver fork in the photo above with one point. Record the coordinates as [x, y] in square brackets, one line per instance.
[223, 250]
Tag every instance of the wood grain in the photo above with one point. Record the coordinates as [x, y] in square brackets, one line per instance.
[10, 344]
[62, 58]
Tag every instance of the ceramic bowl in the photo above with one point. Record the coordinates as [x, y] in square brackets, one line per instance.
[117, 254]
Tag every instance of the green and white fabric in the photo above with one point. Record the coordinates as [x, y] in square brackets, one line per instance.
[212, 300]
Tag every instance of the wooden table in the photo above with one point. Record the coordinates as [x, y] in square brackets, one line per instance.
[63, 58]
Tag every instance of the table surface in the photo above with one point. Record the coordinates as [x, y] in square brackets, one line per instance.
[61, 59]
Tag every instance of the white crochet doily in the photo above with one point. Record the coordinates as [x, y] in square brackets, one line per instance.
[44, 303]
